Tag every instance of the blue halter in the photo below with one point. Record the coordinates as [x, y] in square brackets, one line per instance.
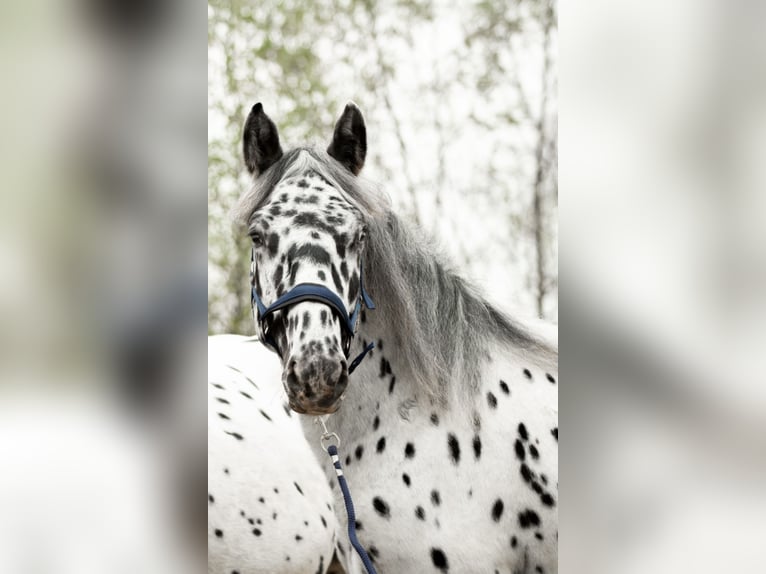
[320, 294]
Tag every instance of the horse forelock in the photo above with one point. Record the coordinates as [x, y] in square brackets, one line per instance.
[359, 192]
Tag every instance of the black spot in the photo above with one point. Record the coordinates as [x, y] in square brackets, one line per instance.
[477, 447]
[312, 252]
[307, 219]
[439, 559]
[256, 531]
[409, 450]
[303, 183]
[514, 542]
[381, 446]
[220, 400]
[324, 522]
[391, 384]
[523, 432]
[528, 518]
[551, 378]
[547, 499]
[504, 387]
[533, 451]
[454, 448]
[420, 513]
[436, 498]
[519, 448]
[528, 374]
[434, 419]
[210, 498]
[497, 510]
[491, 400]
[267, 417]
[526, 474]
[321, 275]
[358, 525]
[224, 417]
[555, 433]
[236, 435]
[375, 423]
[539, 537]
[294, 271]
[340, 244]
[336, 279]
[298, 537]
[273, 244]
[406, 478]
[306, 320]
[219, 533]
[298, 487]
[344, 270]
[383, 363]
[353, 287]
[381, 507]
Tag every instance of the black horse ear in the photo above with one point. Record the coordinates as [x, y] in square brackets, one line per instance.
[260, 141]
[349, 141]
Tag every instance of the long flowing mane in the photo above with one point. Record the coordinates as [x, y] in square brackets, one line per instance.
[446, 328]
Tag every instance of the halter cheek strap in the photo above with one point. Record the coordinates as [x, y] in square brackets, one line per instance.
[313, 292]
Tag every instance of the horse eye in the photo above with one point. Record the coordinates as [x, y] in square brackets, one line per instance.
[257, 238]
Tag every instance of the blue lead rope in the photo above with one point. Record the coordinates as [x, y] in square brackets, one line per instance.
[332, 450]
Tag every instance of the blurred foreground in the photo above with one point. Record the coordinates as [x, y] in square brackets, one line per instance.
[663, 422]
[103, 291]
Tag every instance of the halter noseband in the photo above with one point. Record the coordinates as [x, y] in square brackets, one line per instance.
[311, 292]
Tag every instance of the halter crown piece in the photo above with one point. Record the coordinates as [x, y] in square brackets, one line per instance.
[311, 292]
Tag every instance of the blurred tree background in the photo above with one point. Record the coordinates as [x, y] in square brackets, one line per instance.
[460, 100]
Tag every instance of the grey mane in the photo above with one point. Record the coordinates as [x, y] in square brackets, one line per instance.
[445, 327]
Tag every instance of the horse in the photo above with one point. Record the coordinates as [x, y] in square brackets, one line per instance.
[448, 428]
[270, 508]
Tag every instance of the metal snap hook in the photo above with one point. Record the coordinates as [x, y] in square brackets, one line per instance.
[326, 435]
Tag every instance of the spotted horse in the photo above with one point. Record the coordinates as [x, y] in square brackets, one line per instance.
[449, 427]
[269, 504]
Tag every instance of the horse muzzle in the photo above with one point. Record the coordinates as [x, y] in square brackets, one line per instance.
[316, 384]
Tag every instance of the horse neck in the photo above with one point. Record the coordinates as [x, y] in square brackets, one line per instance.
[390, 381]
[380, 385]
[434, 335]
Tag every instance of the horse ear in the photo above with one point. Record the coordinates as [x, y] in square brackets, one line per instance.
[260, 141]
[349, 141]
